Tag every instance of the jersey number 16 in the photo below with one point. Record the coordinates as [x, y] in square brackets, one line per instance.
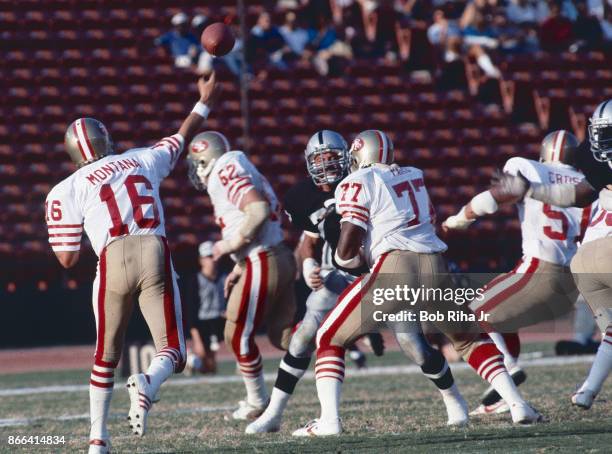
[108, 196]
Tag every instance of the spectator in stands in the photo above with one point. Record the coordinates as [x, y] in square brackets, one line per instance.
[296, 38]
[587, 30]
[597, 8]
[475, 11]
[555, 32]
[266, 42]
[313, 11]
[606, 27]
[327, 44]
[441, 29]
[451, 71]
[383, 28]
[515, 37]
[205, 305]
[526, 11]
[183, 46]
[480, 32]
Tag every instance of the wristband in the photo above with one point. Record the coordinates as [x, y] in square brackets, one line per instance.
[308, 266]
[201, 109]
[350, 263]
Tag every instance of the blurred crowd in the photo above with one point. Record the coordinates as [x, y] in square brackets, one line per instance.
[327, 33]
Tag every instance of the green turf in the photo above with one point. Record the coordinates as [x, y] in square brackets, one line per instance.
[400, 413]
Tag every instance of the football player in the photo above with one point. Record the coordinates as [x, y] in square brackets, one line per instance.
[387, 223]
[115, 200]
[541, 286]
[592, 264]
[311, 207]
[260, 287]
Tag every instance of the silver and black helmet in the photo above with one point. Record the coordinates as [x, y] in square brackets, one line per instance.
[326, 157]
[600, 131]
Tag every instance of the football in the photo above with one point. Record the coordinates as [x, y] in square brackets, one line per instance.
[218, 39]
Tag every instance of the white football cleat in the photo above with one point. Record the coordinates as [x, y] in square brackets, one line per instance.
[247, 412]
[457, 411]
[316, 428]
[141, 402]
[522, 413]
[583, 399]
[98, 446]
[495, 409]
[264, 424]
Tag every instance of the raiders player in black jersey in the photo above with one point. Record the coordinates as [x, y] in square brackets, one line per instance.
[311, 208]
[592, 264]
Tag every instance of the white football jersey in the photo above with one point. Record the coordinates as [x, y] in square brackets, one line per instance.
[232, 176]
[600, 225]
[115, 196]
[392, 205]
[549, 233]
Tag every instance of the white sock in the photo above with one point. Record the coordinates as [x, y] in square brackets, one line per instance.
[257, 394]
[485, 63]
[451, 393]
[505, 387]
[99, 404]
[158, 372]
[601, 366]
[509, 360]
[100, 394]
[252, 375]
[329, 391]
[329, 373]
[278, 403]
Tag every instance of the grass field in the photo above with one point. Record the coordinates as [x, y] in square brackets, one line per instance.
[390, 412]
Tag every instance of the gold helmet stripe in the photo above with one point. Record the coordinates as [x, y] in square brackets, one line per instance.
[83, 140]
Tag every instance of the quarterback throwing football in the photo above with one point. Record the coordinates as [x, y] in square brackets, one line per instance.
[115, 199]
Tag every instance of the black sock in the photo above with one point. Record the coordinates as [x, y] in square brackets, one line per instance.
[436, 369]
[287, 378]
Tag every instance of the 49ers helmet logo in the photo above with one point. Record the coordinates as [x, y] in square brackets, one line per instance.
[358, 144]
[200, 146]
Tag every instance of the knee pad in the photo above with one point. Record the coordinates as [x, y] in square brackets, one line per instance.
[415, 347]
[303, 339]
[322, 300]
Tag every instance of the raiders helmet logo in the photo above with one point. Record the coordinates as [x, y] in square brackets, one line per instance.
[200, 146]
[358, 144]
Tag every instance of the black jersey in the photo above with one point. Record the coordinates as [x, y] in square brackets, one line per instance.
[313, 210]
[598, 174]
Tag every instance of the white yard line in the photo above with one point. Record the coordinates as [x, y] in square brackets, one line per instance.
[10, 422]
[370, 371]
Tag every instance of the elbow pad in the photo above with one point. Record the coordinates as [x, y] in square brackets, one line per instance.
[256, 213]
[484, 203]
[561, 195]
